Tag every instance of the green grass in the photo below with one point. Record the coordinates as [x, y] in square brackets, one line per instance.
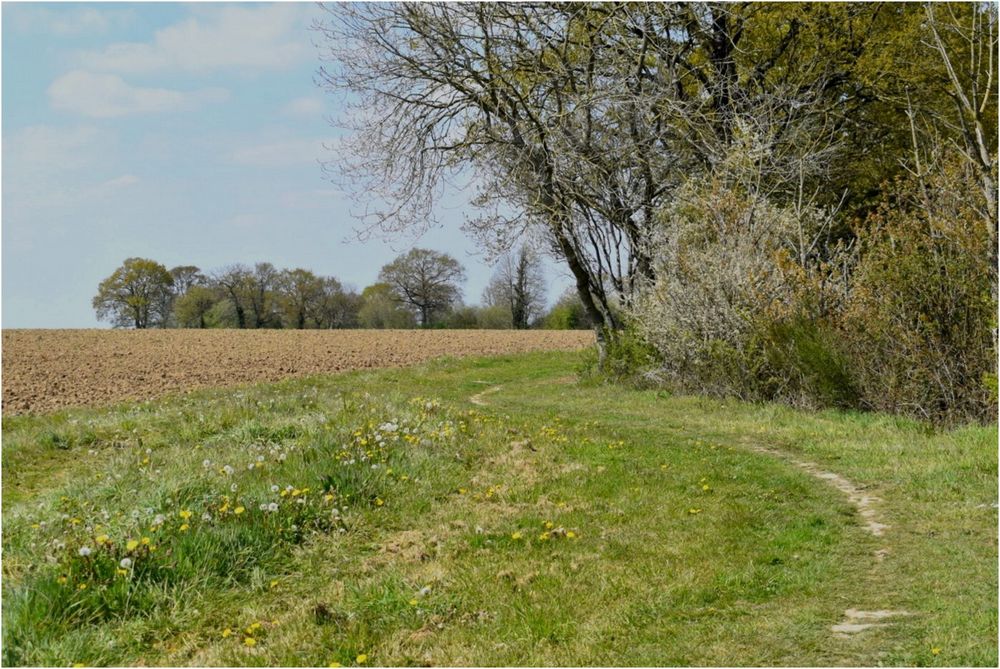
[561, 524]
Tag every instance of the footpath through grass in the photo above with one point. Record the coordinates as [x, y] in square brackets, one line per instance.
[382, 518]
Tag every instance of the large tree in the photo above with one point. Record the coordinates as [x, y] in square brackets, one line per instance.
[137, 294]
[584, 119]
[300, 295]
[425, 281]
[518, 285]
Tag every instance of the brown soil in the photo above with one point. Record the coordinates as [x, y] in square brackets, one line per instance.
[45, 370]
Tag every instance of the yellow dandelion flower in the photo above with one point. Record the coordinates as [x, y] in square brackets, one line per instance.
[334, 664]
[121, 572]
[571, 534]
[935, 651]
[145, 541]
[462, 491]
[131, 545]
[249, 642]
[274, 583]
[62, 580]
[226, 633]
[82, 586]
[328, 498]
[549, 524]
[413, 602]
[361, 659]
[101, 538]
[705, 488]
[185, 527]
[515, 536]
[378, 501]
[693, 511]
[185, 514]
[544, 536]
[238, 510]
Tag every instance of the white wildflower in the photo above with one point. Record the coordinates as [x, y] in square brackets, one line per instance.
[84, 551]
[125, 563]
[228, 470]
[272, 507]
[206, 463]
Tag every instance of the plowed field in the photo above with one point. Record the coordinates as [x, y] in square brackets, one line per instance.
[44, 370]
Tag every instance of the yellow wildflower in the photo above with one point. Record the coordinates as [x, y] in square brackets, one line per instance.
[238, 510]
[361, 659]
[185, 514]
[334, 664]
[274, 583]
[413, 602]
[131, 545]
[693, 511]
[571, 534]
[378, 501]
[544, 536]
[185, 527]
[145, 541]
[82, 586]
[249, 642]
[62, 580]
[226, 633]
[101, 538]
[935, 651]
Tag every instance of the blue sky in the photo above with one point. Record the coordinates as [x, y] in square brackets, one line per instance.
[187, 133]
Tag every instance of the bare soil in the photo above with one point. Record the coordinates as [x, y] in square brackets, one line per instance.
[46, 370]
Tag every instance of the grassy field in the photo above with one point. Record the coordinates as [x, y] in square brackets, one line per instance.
[386, 518]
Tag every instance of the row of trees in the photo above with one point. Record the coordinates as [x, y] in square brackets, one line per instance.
[419, 288]
[709, 173]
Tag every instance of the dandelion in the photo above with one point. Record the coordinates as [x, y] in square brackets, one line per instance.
[273, 583]
[413, 602]
[249, 642]
[238, 510]
[263, 506]
[275, 488]
[82, 586]
[272, 507]
[185, 514]
[185, 527]
[571, 534]
[233, 488]
[378, 501]
[935, 651]
[361, 659]
[515, 536]
[544, 536]
[62, 580]
[131, 545]
[227, 470]
[424, 591]
[84, 551]
[206, 463]
[159, 520]
[334, 664]
[125, 563]
[694, 511]
[705, 488]
[145, 541]
[101, 538]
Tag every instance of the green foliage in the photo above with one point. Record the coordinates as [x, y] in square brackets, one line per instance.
[137, 294]
[567, 314]
[379, 309]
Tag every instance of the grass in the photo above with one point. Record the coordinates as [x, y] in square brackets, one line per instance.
[564, 523]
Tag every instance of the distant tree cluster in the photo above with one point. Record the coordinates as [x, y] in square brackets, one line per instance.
[420, 288]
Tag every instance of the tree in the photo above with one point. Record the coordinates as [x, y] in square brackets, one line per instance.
[135, 294]
[381, 310]
[261, 286]
[426, 281]
[186, 276]
[192, 308]
[300, 295]
[518, 284]
[583, 118]
[235, 283]
[338, 307]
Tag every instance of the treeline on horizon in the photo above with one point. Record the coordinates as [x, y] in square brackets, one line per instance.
[419, 289]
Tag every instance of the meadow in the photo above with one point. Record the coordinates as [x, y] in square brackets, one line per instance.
[492, 511]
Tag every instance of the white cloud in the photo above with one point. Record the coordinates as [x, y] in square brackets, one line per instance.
[262, 37]
[305, 107]
[66, 21]
[108, 96]
[285, 153]
[123, 181]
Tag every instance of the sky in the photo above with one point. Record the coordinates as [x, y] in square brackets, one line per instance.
[192, 134]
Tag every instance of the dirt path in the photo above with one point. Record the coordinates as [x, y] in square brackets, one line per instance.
[855, 620]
